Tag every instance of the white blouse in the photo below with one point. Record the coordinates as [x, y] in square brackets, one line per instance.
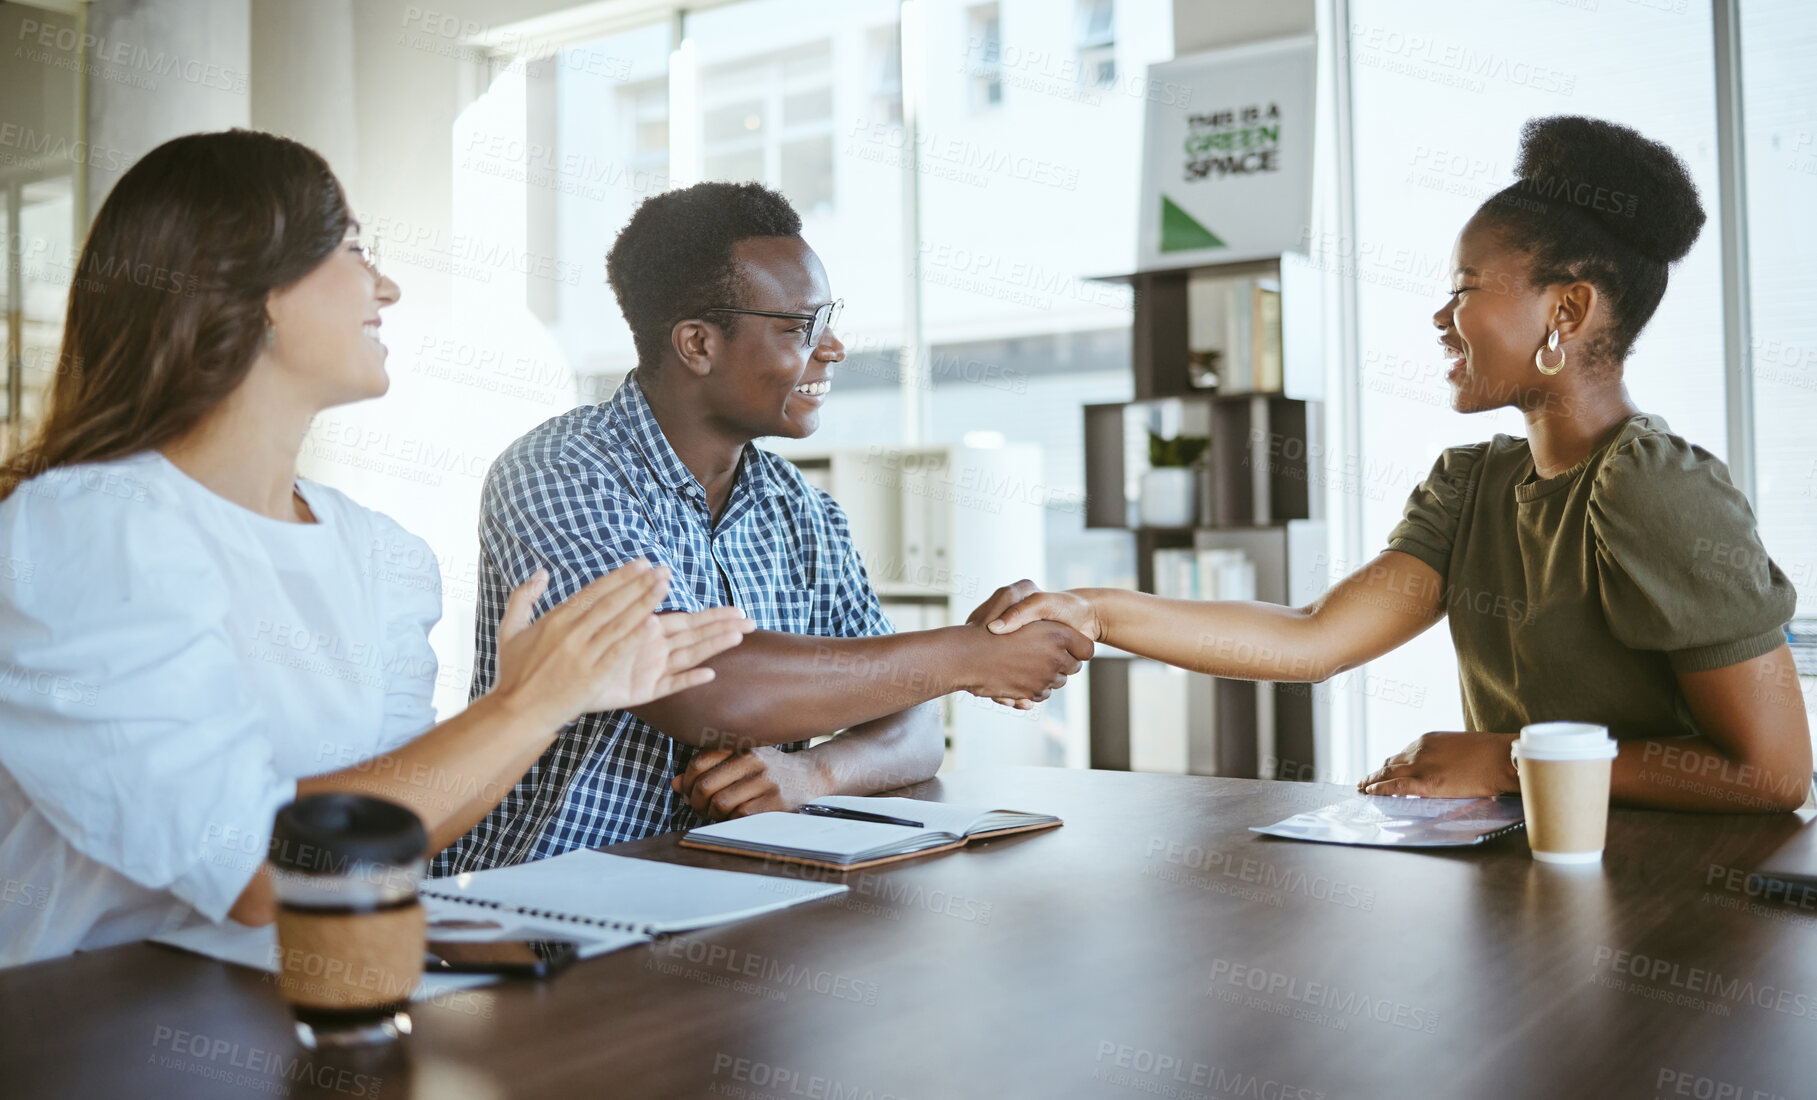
[170, 664]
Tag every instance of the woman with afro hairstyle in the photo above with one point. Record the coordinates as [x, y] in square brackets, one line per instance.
[1600, 569]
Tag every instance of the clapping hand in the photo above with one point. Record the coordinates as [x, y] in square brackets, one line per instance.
[604, 648]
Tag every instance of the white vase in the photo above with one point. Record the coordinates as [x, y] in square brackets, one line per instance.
[1169, 496]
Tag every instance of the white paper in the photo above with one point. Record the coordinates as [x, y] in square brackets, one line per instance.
[1390, 822]
[257, 949]
[943, 817]
[832, 839]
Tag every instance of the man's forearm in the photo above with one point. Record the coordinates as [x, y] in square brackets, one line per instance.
[775, 688]
[883, 754]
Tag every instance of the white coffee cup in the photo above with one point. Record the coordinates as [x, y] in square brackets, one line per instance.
[1564, 789]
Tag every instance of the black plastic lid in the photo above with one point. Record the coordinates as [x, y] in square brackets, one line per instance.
[326, 834]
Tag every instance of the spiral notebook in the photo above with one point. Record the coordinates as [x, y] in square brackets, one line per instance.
[640, 896]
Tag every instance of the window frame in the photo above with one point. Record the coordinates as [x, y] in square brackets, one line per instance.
[778, 85]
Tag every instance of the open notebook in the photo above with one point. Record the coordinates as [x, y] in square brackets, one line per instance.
[602, 902]
[640, 896]
[844, 844]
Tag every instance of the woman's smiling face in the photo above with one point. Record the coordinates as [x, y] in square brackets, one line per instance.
[1493, 323]
[327, 328]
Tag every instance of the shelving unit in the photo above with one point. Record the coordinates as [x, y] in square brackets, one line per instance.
[1261, 490]
[940, 528]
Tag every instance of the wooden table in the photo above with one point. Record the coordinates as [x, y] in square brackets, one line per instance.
[1151, 947]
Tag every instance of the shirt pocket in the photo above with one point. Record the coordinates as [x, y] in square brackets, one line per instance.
[790, 610]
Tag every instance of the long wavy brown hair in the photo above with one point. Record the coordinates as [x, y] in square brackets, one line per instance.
[167, 301]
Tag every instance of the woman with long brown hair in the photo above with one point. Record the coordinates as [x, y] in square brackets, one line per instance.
[191, 634]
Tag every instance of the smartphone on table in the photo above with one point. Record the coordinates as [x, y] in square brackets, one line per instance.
[513, 958]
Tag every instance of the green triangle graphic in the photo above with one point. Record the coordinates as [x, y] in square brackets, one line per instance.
[1181, 231]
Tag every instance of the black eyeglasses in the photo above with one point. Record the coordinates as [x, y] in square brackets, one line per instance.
[823, 318]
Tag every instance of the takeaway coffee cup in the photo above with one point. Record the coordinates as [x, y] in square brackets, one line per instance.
[1564, 789]
[345, 869]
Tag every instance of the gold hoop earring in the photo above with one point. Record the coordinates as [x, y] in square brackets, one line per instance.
[1551, 345]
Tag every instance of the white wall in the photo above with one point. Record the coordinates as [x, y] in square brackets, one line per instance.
[160, 70]
[1208, 24]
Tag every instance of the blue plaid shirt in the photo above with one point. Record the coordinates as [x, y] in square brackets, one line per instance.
[583, 494]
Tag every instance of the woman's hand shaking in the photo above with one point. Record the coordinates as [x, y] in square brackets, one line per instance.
[1017, 605]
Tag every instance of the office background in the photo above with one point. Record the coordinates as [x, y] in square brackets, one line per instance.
[967, 171]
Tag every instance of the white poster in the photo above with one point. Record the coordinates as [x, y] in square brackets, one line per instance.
[1227, 162]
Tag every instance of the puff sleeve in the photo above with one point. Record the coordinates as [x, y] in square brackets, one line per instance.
[122, 715]
[1430, 520]
[409, 595]
[1679, 562]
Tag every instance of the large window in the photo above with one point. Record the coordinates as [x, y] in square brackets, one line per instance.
[609, 125]
[1441, 90]
[40, 238]
[42, 254]
[803, 97]
[1779, 96]
[984, 56]
[771, 120]
[1006, 261]
[1026, 156]
[1097, 43]
[1022, 125]
[1778, 39]
[648, 125]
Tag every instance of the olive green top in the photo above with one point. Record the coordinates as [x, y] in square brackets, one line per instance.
[1578, 597]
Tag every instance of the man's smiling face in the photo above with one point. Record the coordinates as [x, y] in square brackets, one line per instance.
[765, 379]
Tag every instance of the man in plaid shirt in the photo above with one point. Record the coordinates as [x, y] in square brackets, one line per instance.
[732, 320]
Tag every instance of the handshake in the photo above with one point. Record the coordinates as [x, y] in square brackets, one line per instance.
[1025, 643]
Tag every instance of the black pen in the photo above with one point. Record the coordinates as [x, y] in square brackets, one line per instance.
[859, 815]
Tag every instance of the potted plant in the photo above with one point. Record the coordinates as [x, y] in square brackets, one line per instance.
[1170, 485]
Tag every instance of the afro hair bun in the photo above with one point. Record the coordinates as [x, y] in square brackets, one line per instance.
[1636, 189]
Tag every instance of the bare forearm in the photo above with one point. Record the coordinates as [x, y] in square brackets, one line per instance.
[456, 772]
[451, 777]
[776, 688]
[881, 755]
[1239, 639]
[1694, 773]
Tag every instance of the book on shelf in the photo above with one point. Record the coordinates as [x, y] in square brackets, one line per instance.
[909, 616]
[927, 496]
[1204, 574]
[1234, 327]
[1265, 336]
